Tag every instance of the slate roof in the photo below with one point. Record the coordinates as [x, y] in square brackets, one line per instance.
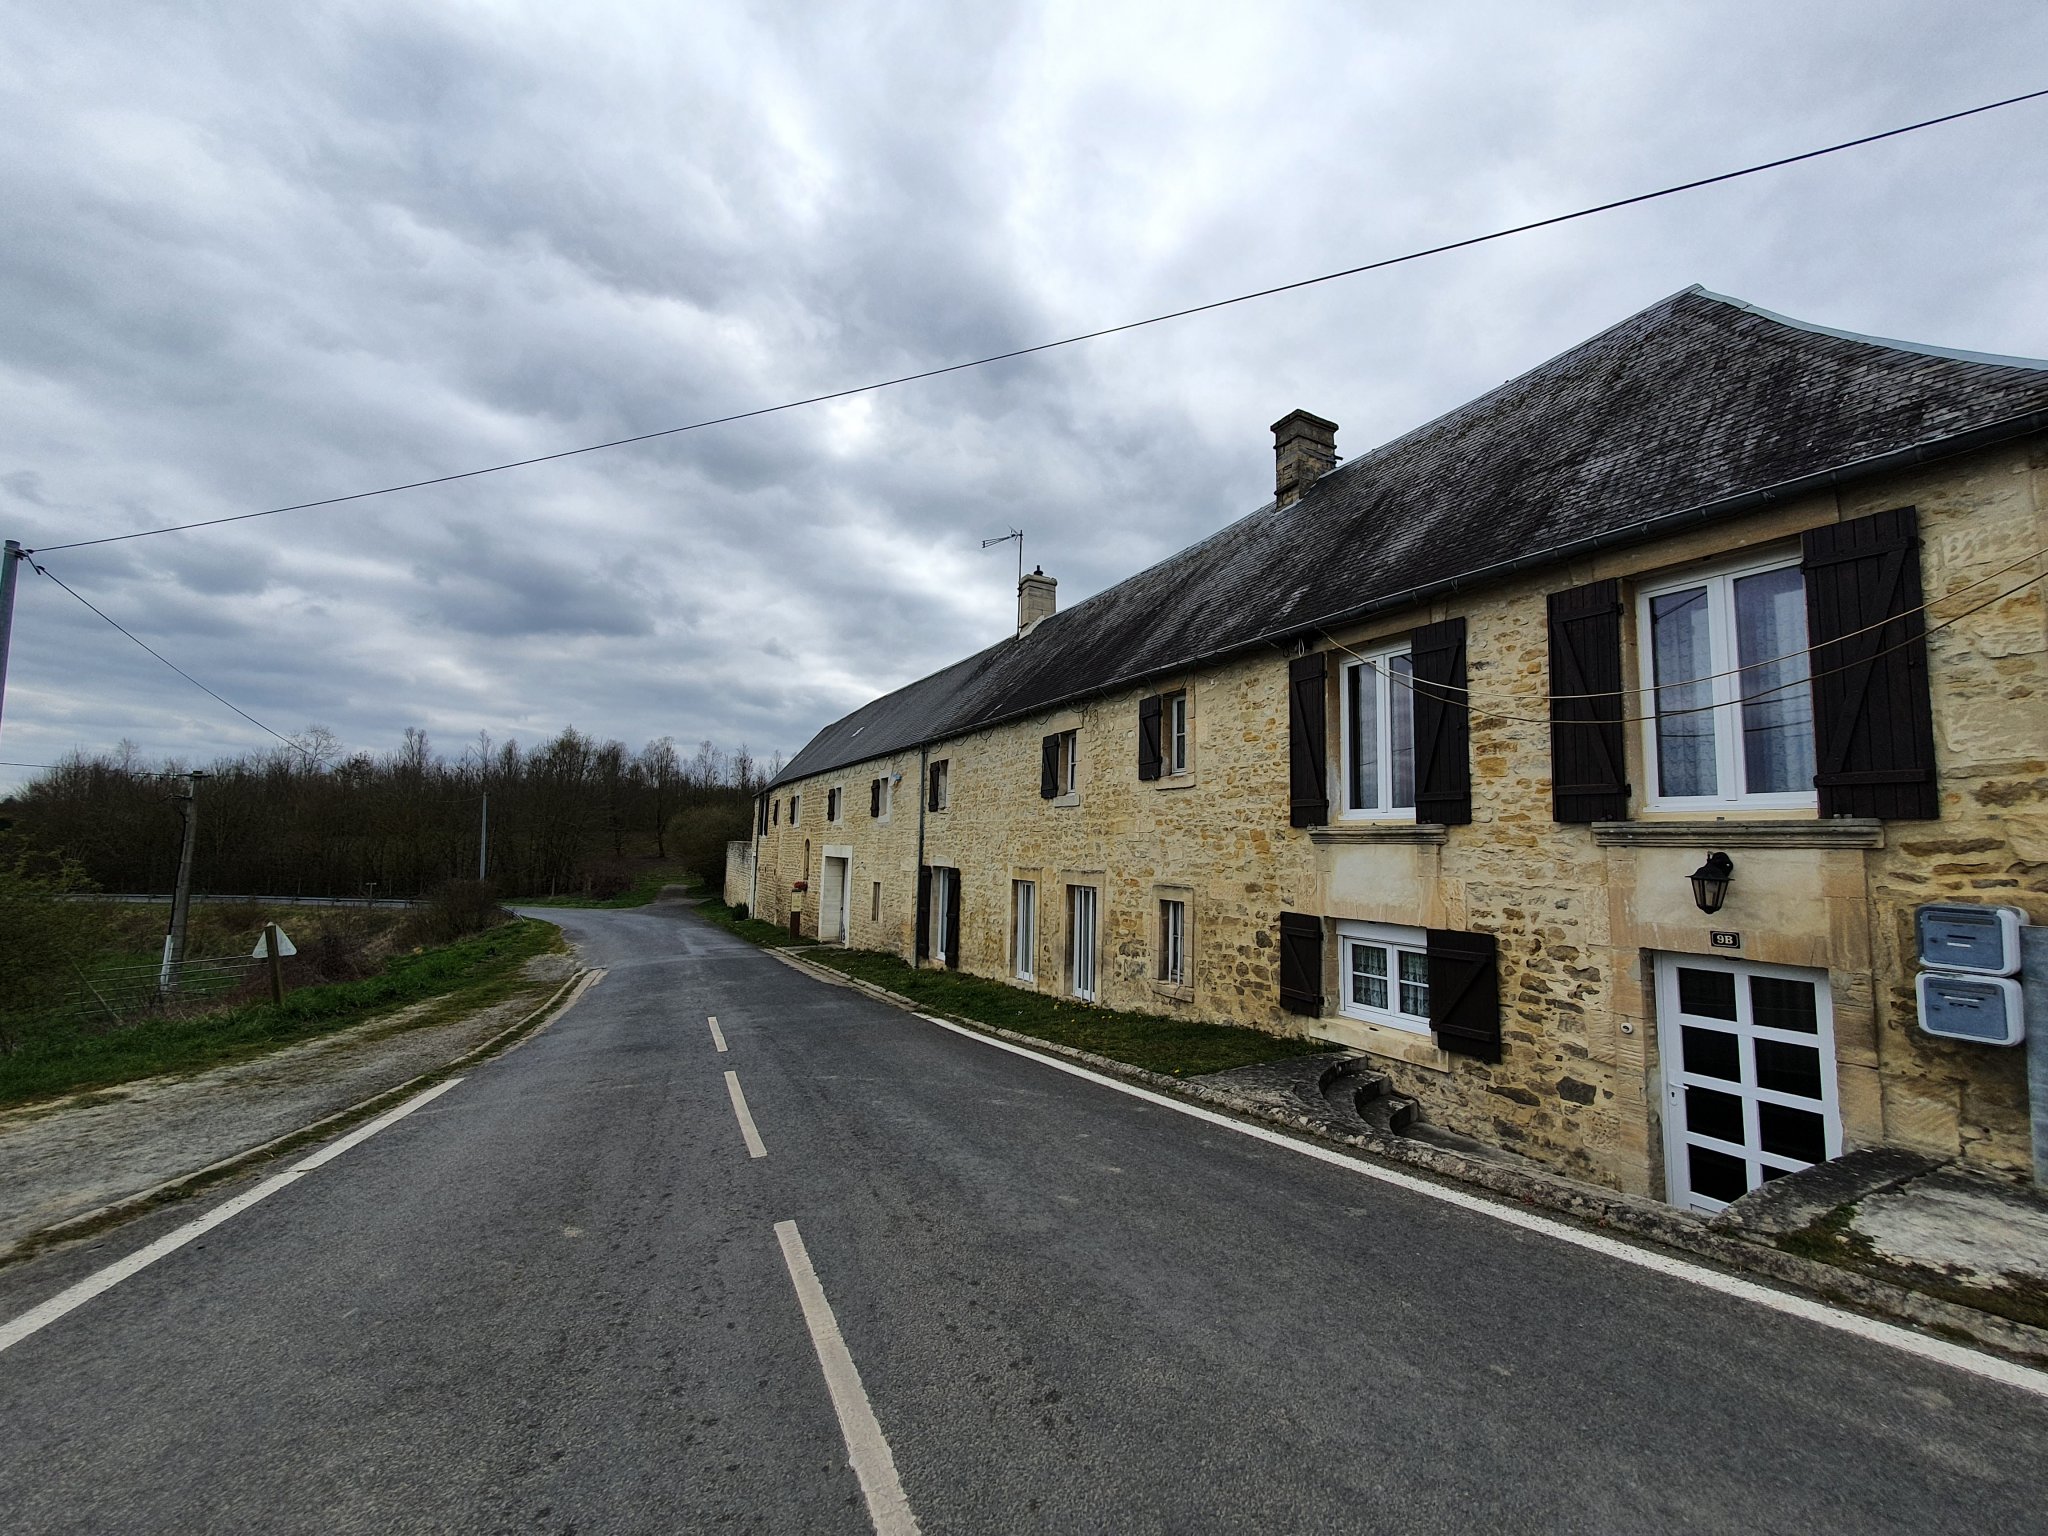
[1698, 406]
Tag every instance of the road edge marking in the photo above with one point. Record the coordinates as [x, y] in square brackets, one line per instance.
[867, 1448]
[717, 1034]
[1940, 1351]
[79, 1292]
[752, 1136]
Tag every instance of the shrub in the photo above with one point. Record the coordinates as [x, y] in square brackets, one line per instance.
[454, 908]
[698, 836]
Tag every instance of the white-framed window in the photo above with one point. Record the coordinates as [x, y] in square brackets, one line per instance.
[1081, 941]
[1729, 716]
[1173, 733]
[1379, 736]
[1067, 772]
[885, 793]
[940, 794]
[1383, 975]
[1173, 941]
[1024, 929]
[835, 798]
[794, 802]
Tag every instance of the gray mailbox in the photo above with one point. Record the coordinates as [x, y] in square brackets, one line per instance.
[1983, 941]
[1986, 1009]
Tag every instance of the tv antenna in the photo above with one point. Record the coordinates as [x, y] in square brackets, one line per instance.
[1018, 535]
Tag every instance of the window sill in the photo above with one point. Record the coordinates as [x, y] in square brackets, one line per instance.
[1430, 832]
[1836, 832]
[1382, 1040]
[1066, 800]
[1179, 992]
[1175, 781]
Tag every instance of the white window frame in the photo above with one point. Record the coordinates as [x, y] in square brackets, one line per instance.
[1067, 773]
[1383, 685]
[940, 788]
[1024, 929]
[835, 804]
[888, 781]
[1730, 767]
[794, 802]
[1173, 734]
[1173, 941]
[1393, 942]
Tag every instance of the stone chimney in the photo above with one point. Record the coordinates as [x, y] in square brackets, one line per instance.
[1304, 447]
[1035, 599]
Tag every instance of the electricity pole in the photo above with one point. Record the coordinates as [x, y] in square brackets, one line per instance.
[10, 561]
[181, 899]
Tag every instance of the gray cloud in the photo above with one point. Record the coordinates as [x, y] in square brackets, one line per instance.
[263, 256]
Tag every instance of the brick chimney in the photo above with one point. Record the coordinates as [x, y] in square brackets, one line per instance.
[1035, 599]
[1304, 447]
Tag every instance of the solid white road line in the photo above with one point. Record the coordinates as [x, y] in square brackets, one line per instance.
[77, 1295]
[866, 1447]
[1904, 1339]
[739, 1108]
[717, 1034]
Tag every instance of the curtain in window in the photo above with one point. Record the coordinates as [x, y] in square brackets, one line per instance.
[1681, 653]
[1777, 708]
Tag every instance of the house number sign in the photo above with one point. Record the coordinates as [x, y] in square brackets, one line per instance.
[1723, 939]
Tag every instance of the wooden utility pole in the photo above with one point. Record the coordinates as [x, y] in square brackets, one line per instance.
[181, 899]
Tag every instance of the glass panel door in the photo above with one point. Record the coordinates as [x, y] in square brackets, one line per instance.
[1749, 1075]
[1081, 941]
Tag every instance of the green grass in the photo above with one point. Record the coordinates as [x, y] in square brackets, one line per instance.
[753, 929]
[471, 973]
[1174, 1047]
[643, 890]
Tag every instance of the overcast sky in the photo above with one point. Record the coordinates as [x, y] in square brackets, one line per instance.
[258, 254]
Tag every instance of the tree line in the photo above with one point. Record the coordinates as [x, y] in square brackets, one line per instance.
[569, 816]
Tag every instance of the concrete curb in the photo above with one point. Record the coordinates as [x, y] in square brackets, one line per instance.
[1606, 1210]
[190, 1183]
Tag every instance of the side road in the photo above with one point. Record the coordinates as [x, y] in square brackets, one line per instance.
[69, 1165]
[1937, 1291]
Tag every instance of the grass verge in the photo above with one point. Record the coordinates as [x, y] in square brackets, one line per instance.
[471, 973]
[750, 928]
[1174, 1047]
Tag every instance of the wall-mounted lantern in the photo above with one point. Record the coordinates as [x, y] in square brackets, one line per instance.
[1710, 882]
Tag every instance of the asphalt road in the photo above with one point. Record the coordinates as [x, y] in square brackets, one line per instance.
[555, 1299]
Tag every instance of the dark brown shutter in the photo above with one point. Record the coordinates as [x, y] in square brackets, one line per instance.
[1588, 764]
[1148, 737]
[1308, 741]
[1301, 963]
[931, 786]
[874, 797]
[1049, 768]
[1464, 992]
[952, 879]
[1873, 727]
[1443, 724]
[924, 912]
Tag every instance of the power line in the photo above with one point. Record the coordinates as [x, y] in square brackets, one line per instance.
[1068, 341]
[41, 570]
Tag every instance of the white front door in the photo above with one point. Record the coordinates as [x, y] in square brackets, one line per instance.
[942, 909]
[1749, 1075]
[832, 901]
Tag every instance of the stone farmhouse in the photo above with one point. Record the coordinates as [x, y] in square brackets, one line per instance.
[1421, 757]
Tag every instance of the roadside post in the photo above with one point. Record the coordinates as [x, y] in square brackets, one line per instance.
[273, 947]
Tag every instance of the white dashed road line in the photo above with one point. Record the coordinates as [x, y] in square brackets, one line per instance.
[739, 1108]
[717, 1034]
[866, 1447]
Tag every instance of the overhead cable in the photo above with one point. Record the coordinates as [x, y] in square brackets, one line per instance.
[1068, 341]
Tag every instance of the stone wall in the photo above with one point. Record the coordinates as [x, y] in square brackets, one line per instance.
[1578, 911]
